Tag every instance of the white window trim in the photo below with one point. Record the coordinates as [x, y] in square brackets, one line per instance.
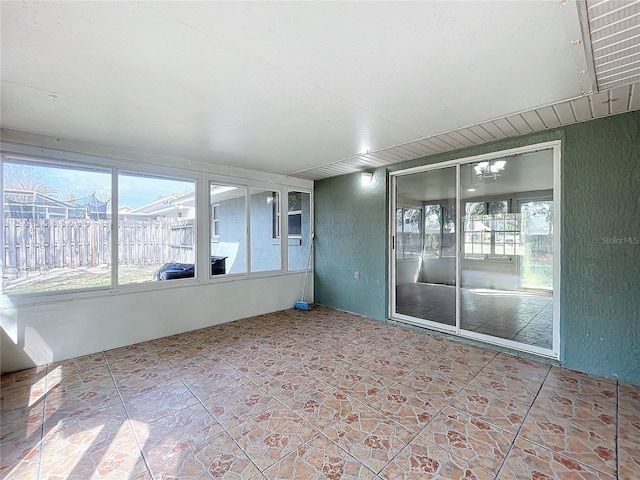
[201, 235]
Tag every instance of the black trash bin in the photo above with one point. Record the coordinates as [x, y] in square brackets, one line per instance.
[218, 265]
[173, 270]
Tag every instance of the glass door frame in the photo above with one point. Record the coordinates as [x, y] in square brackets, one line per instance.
[554, 351]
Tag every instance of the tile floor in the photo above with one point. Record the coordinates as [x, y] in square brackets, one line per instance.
[526, 317]
[320, 394]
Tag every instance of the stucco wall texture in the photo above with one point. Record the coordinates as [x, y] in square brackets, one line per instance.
[600, 238]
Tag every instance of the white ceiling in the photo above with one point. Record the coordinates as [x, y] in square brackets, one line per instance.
[288, 88]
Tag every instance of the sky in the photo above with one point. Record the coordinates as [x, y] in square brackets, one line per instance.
[63, 183]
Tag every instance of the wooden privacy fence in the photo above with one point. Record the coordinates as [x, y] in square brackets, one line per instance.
[35, 244]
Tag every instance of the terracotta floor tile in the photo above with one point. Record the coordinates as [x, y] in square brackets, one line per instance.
[128, 350]
[239, 404]
[470, 354]
[431, 343]
[214, 343]
[450, 368]
[629, 426]
[370, 437]
[355, 352]
[259, 364]
[387, 398]
[581, 384]
[147, 383]
[628, 460]
[235, 353]
[591, 442]
[98, 377]
[474, 440]
[359, 382]
[321, 405]
[485, 405]
[85, 417]
[271, 435]
[23, 395]
[434, 386]
[219, 379]
[527, 460]
[327, 342]
[284, 383]
[422, 460]
[510, 386]
[94, 360]
[566, 404]
[218, 457]
[69, 402]
[272, 369]
[176, 358]
[134, 362]
[295, 355]
[21, 423]
[198, 362]
[92, 453]
[23, 378]
[629, 398]
[20, 458]
[524, 367]
[159, 403]
[391, 368]
[323, 366]
[175, 433]
[406, 407]
[319, 459]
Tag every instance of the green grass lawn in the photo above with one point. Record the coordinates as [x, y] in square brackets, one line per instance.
[58, 279]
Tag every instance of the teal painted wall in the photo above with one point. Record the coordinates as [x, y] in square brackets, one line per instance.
[600, 264]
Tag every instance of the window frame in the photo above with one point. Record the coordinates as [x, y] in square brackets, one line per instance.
[297, 240]
[146, 166]
[492, 255]
[167, 174]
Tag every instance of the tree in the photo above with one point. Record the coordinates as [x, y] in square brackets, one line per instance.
[25, 177]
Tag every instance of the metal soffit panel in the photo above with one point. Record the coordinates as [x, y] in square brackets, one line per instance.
[613, 101]
[614, 28]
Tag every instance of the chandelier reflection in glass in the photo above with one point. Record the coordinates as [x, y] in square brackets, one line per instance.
[491, 169]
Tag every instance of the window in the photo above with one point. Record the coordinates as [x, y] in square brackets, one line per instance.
[491, 230]
[432, 231]
[439, 231]
[274, 200]
[299, 229]
[57, 226]
[409, 232]
[62, 230]
[294, 213]
[264, 223]
[215, 223]
[156, 227]
[228, 247]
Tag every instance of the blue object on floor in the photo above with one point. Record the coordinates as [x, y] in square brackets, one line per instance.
[302, 306]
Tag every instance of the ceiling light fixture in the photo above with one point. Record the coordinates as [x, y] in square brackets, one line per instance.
[491, 169]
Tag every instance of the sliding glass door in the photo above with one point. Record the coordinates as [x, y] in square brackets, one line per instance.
[489, 272]
[425, 254]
